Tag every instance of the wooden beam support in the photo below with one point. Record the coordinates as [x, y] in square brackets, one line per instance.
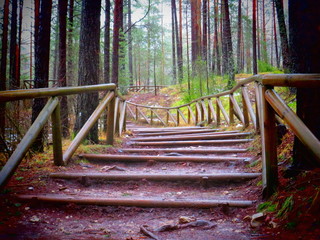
[57, 136]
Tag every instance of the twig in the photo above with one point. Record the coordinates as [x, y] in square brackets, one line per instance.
[148, 233]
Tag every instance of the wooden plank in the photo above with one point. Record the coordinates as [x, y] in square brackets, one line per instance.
[122, 118]
[157, 177]
[237, 108]
[249, 106]
[160, 119]
[231, 110]
[26, 142]
[223, 111]
[195, 142]
[130, 111]
[110, 120]
[57, 136]
[186, 150]
[144, 158]
[192, 114]
[192, 137]
[144, 116]
[172, 118]
[200, 116]
[269, 149]
[205, 111]
[133, 202]
[87, 127]
[116, 114]
[182, 116]
[179, 132]
[214, 114]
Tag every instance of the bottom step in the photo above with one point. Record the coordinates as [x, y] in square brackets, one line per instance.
[154, 203]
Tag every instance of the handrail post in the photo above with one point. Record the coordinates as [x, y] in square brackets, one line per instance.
[167, 119]
[245, 110]
[56, 136]
[269, 148]
[178, 117]
[151, 117]
[209, 112]
[137, 113]
[110, 121]
[258, 106]
[218, 113]
[231, 110]
[116, 116]
[189, 115]
[196, 113]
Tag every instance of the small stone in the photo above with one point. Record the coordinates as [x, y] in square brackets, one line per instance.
[185, 219]
[27, 208]
[257, 219]
[30, 188]
[34, 219]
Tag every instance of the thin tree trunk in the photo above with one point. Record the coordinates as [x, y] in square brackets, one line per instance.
[118, 14]
[228, 43]
[174, 63]
[275, 35]
[258, 31]
[264, 39]
[188, 58]
[178, 43]
[195, 35]
[204, 29]
[254, 37]
[14, 84]
[239, 68]
[107, 43]
[62, 66]
[283, 35]
[70, 51]
[42, 53]
[130, 44]
[216, 39]
[3, 64]
[18, 48]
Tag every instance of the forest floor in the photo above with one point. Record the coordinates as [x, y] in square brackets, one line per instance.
[292, 213]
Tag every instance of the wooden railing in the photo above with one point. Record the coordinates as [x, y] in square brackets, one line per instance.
[207, 109]
[115, 121]
[143, 88]
[261, 108]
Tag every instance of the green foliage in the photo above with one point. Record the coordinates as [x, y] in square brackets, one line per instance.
[291, 225]
[267, 207]
[286, 206]
[266, 67]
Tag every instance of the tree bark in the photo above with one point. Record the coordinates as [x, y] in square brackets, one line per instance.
[88, 64]
[107, 42]
[239, 68]
[228, 44]
[117, 14]
[216, 40]
[254, 37]
[62, 64]
[18, 48]
[304, 39]
[283, 35]
[173, 40]
[70, 49]
[275, 35]
[3, 64]
[14, 84]
[130, 44]
[178, 43]
[195, 35]
[42, 52]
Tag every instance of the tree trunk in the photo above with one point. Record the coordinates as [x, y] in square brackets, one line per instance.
[42, 53]
[258, 30]
[195, 35]
[3, 64]
[239, 68]
[107, 43]
[178, 43]
[130, 44]
[88, 64]
[118, 14]
[188, 60]
[264, 34]
[304, 35]
[70, 51]
[216, 39]
[174, 63]
[228, 44]
[275, 35]
[283, 35]
[204, 30]
[62, 66]
[18, 48]
[254, 37]
[14, 84]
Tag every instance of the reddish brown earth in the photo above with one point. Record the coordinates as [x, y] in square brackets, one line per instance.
[35, 220]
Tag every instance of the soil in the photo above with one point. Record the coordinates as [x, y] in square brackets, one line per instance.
[35, 220]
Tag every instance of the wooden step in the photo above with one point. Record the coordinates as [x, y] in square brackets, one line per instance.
[143, 158]
[166, 129]
[182, 132]
[193, 137]
[185, 150]
[192, 143]
[151, 203]
[157, 177]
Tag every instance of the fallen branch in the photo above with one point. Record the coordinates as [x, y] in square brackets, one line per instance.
[146, 232]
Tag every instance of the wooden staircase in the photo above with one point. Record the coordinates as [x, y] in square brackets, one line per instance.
[180, 155]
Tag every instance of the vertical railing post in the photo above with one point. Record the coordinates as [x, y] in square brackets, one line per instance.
[209, 112]
[110, 121]
[189, 115]
[56, 136]
[196, 113]
[269, 148]
[151, 117]
[231, 110]
[137, 113]
[167, 118]
[245, 110]
[258, 106]
[178, 117]
[218, 113]
[116, 116]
